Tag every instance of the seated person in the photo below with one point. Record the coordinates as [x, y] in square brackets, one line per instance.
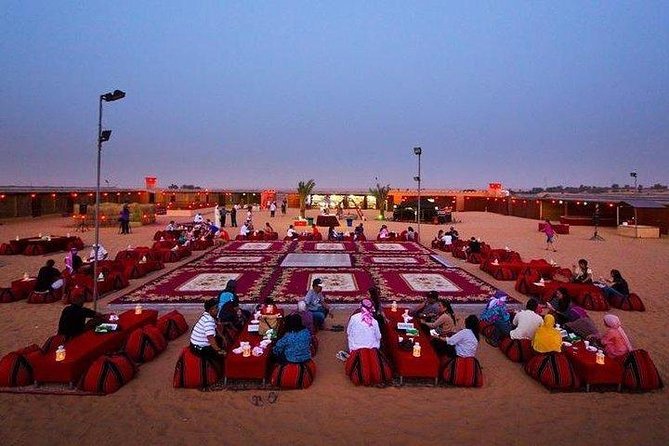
[375, 297]
[306, 316]
[447, 239]
[171, 226]
[230, 316]
[268, 228]
[314, 231]
[73, 318]
[616, 286]
[48, 278]
[334, 235]
[411, 234]
[292, 233]
[315, 301]
[245, 229]
[229, 294]
[581, 273]
[453, 233]
[203, 339]
[363, 329]
[198, 218]
[464, 343]
[445, 324]
[73, 262]
[474, 245]
[614, 341]
[439, 237]
[212, 230]
[295, 345]
[547, 338]
[183, 239]
[383, 232]
[102, 253]
[575, 318]
[497, 313]
[527, 321]
[429, 309]
[359, 231]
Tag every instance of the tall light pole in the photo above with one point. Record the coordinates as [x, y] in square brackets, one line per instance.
[418, 151]
[636, 191]
[103, 136]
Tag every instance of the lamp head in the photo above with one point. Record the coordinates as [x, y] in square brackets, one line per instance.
[113, 96]
[633, 174]
[417, 151]
[416, 178]
[105, 135]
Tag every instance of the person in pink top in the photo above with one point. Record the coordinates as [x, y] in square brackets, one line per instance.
[615, 341]
[550, 235]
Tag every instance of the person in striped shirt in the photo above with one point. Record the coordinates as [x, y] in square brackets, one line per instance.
[203, 337]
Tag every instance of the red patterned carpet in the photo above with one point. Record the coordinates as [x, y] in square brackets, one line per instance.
[404, 271]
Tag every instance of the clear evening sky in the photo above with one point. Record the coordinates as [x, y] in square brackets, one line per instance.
[263, 94]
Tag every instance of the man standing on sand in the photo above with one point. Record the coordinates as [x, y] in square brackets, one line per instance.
[284, 205]
[223, 213]
[233, 216]
[272, 209]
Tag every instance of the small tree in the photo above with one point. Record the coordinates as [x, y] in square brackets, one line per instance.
[381, 194]
[304, 189]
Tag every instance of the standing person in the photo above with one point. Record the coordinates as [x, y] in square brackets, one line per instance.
[217, 216]
[222, 211]
[284, 205]
[233, 216]
[315, 301]
[124, 218]
[272, 209]
[551, 237]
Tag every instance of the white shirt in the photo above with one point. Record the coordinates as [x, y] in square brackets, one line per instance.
[198, 218]
[102, 252]
[291, 232]
[361, 335]
[244, 230]
[272, 207]
[205, 327]
[447, 239]
[526, 322]
[465, 343]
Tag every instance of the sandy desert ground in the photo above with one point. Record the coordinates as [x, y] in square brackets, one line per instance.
[511, 408]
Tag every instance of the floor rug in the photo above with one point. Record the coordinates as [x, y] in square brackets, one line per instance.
[325, 246]
[411, 284]
[392, 248]
[241, 246]
[316, 260]
[393, 260]
[190, 284]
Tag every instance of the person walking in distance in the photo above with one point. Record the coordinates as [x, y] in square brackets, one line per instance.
[233, 217]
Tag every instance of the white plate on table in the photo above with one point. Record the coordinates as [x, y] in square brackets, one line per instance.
[590, 348]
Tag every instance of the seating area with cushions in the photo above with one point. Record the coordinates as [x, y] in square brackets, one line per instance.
[95, 362]
[40, 245]
[368, 367]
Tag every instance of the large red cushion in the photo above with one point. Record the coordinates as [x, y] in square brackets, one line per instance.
[640, 373]
[553, 370]
[172, 325]
[517, 350]
[368, 367]
[463, 372]
[526, 279]
[45, 297]
[592, 299]
[7, 296]
[631, 303]
[6, 249]
[145, 343]
[193, 372]
[108, 374]
[294, 376]
[15, 369]
[34, 250]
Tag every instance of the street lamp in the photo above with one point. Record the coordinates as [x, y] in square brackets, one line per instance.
[103, 136]
[418, 151]
[633, 175]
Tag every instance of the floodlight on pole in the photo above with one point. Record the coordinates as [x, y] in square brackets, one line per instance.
[103, 136]
[418, 151]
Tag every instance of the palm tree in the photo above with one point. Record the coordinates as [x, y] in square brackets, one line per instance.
[381, 194]
[304, 189]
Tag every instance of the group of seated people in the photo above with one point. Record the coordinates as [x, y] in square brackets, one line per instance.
[445, 238]
[613, 286]
[247, 229]
[49, 278]
[293, 234]
[434, 314]
[544, 331]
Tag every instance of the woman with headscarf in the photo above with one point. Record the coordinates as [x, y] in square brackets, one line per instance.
[72, 261]
[497, 314]
[547, 338]
[615, 341]
[363, 330]
[444, 326]
[375, 297]
[229, 294]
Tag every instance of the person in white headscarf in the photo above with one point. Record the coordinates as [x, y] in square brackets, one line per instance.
[363, 329]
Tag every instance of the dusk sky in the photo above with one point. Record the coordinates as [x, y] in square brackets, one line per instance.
[263, 94]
